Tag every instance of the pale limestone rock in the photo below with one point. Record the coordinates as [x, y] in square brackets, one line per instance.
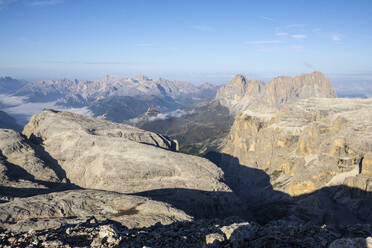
[244, 229]
[103, 155]
[98, 154]
[241, 94]
[54, 209]
[214, 239]
[367, 164]
[16, 150]
[307, 145]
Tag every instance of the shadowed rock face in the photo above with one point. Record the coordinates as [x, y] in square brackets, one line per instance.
[15, 149]
[307, 145]
[241, 94]
[7, 121]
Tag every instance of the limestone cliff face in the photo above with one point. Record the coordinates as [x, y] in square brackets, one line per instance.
[241, 94]
[307, 145]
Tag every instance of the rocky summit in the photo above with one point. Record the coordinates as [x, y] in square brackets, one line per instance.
[241, 94]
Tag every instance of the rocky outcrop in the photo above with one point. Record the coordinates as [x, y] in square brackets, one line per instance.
[43, 173]
[16, 150]
[55, 209]
[307, 145]
[98, 154]
[94, 153]
[242, 94]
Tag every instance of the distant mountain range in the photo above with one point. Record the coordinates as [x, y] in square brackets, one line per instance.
[111, 98]
[81, 92]
[10, 85]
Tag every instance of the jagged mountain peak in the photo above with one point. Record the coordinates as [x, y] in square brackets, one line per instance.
[142, 78]
[240, 94]
[10, 85]
[152, 111]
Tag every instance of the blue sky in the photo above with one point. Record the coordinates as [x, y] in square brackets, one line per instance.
[197, 41]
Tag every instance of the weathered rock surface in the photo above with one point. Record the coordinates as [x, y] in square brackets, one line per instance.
[94, 153]
[18, 151]
[307, 145]
[241, 94]
[309, 161]
[98, 154]
[55, 209]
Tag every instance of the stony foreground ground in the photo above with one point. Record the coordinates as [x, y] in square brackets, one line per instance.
[230, 232]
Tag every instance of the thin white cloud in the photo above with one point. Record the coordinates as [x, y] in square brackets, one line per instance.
[23, 110]
[263, 42]
[299, 36]
[10, 100]
[202, 27]
[267, 18]
[336, 37]
[316, 30]
[281, 34]
[296, 26]
[297, 48]
[46, 2]
[164, 116]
